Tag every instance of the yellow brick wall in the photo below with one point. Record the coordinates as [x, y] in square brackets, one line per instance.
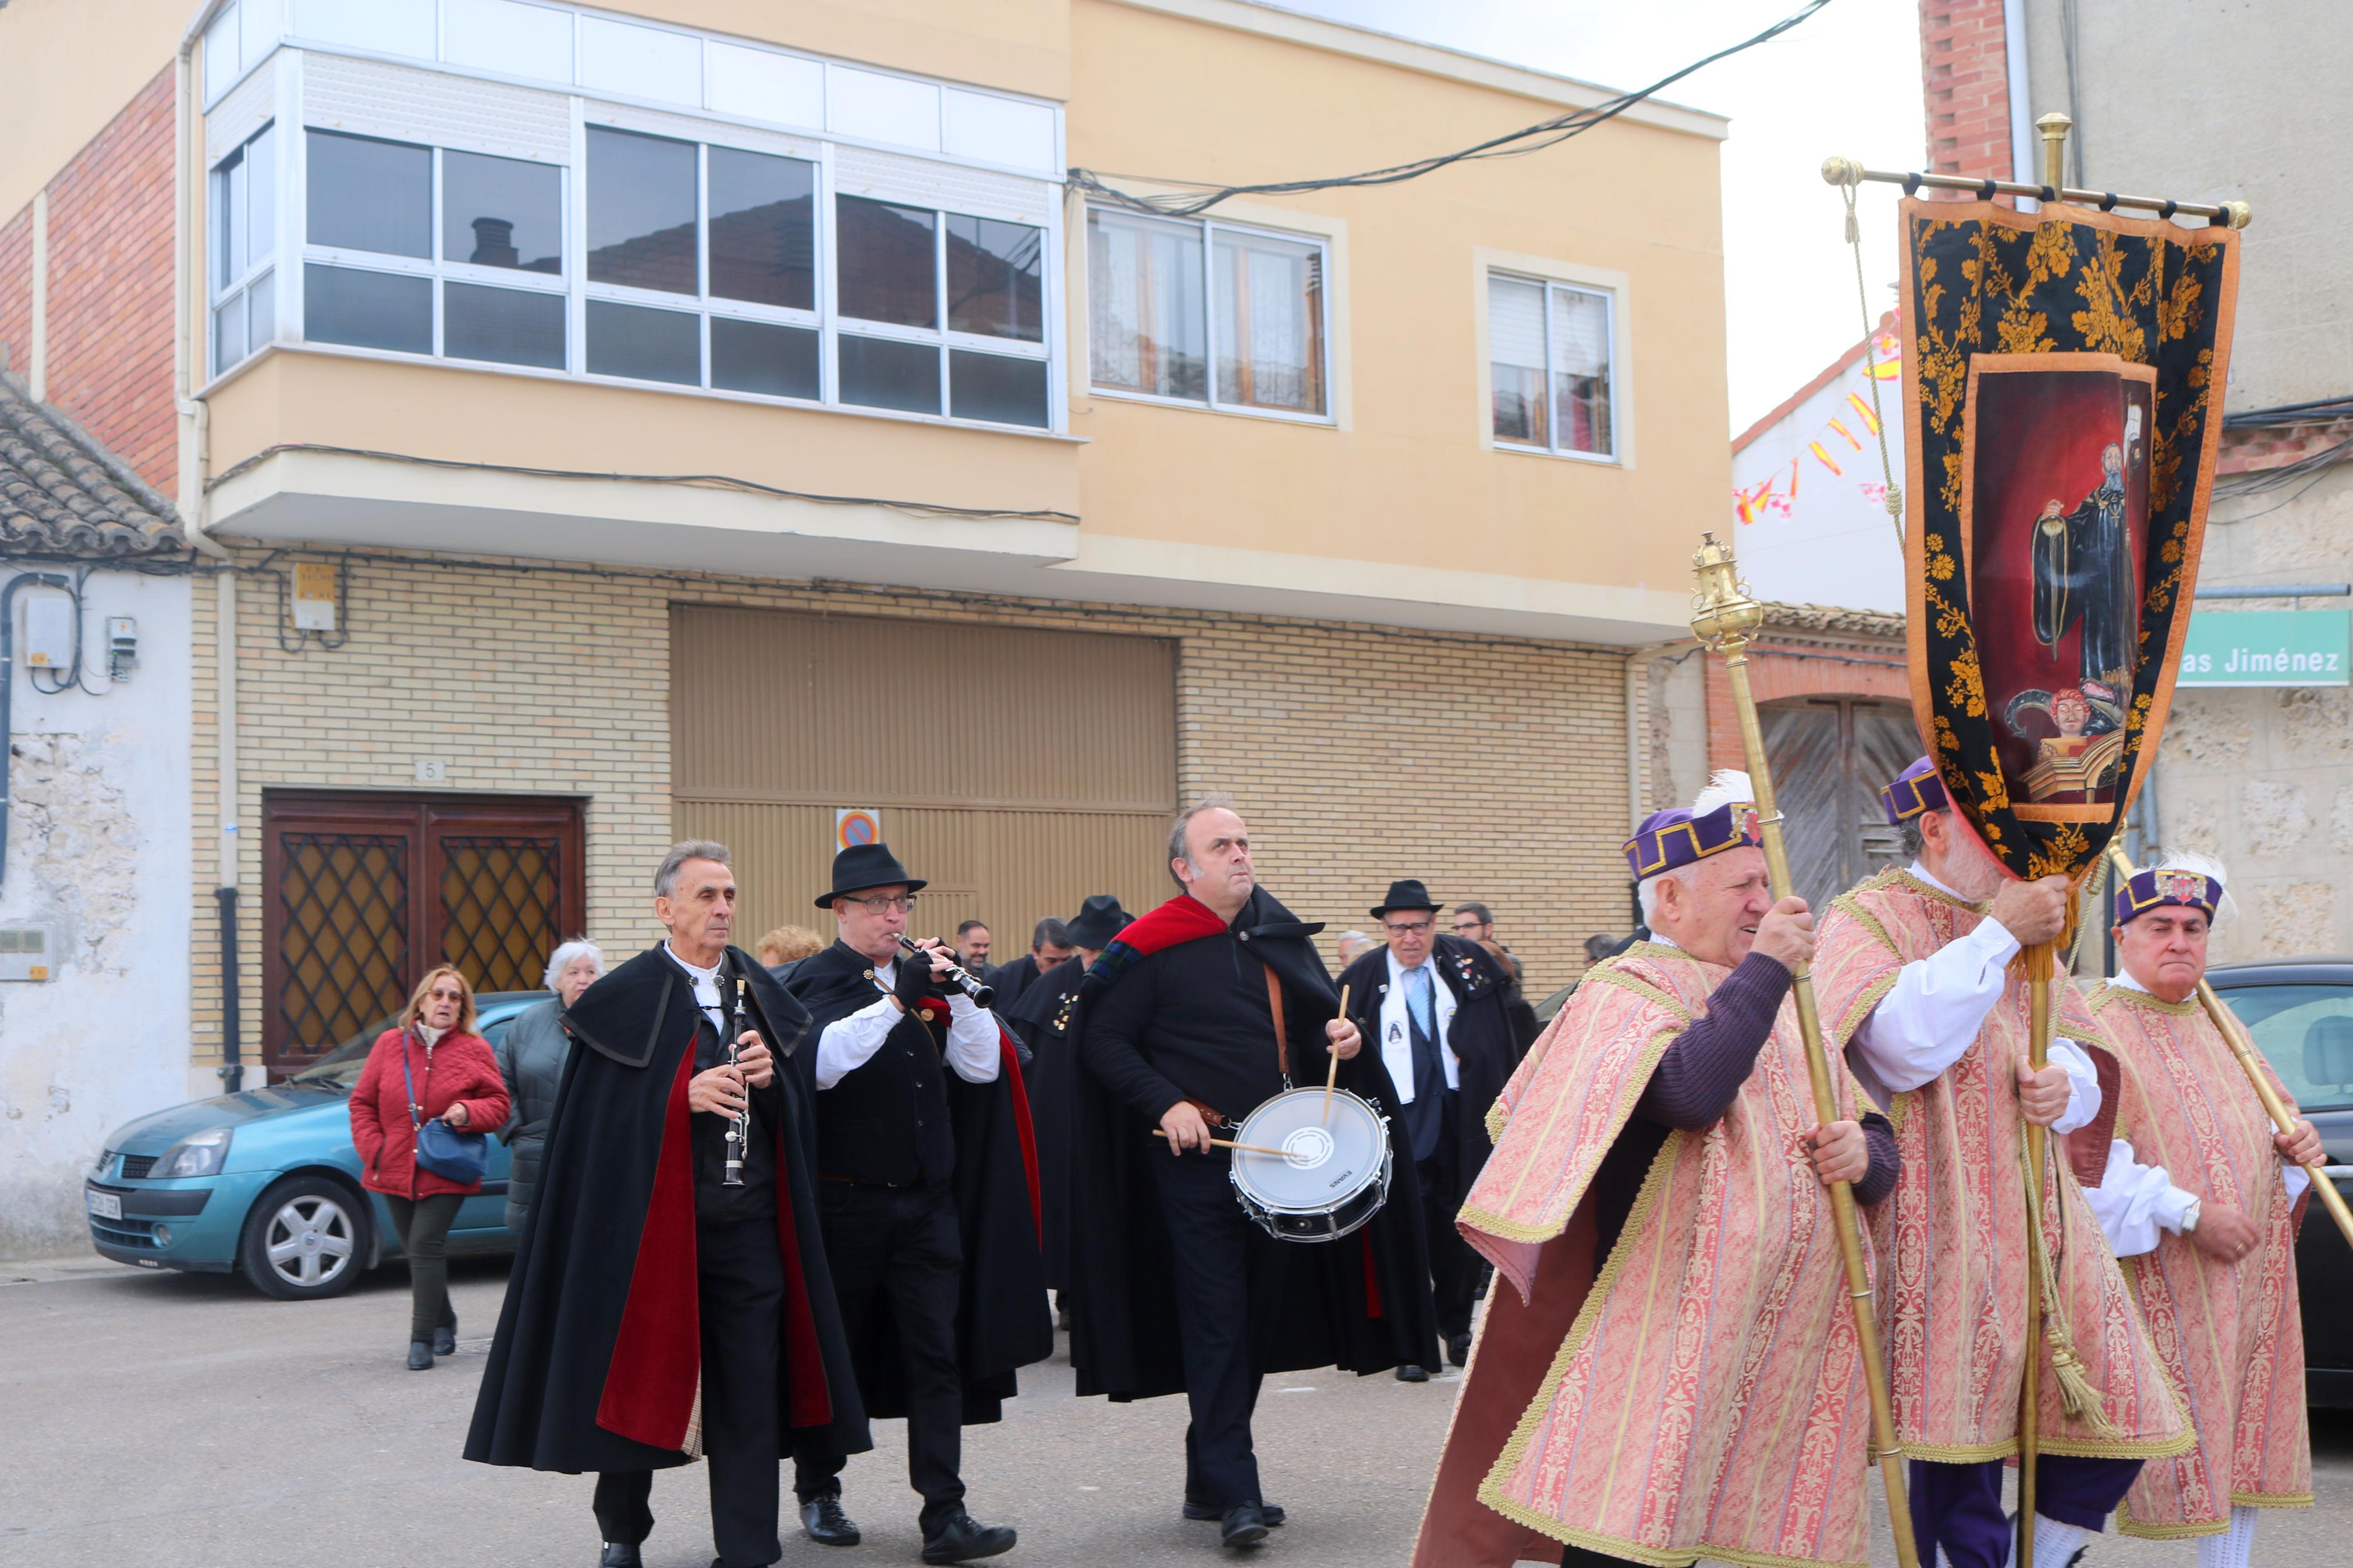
[1493, 768]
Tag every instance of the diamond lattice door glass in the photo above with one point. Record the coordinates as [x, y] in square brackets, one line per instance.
[343, 937]
[499, 900]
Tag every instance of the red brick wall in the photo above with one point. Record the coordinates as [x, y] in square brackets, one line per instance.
[1867, 672]
[17, 292]
[110, 300]
[1965, 70]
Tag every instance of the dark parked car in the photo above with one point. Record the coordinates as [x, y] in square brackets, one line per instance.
[266, 1181]
[2299, 1012]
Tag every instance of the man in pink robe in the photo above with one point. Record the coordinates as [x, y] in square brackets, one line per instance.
[2203, 1196]
[1673, 1372]
[1918, 988]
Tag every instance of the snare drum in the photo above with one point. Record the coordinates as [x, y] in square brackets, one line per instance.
[1333, 1174]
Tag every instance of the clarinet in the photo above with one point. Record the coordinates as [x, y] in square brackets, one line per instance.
[981, 993]
[739, 1126]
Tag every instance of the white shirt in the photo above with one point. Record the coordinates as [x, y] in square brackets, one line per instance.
[2134, 1202]
[1397, 1039]
[1935, 1010]
[848, 1044]
[706, 989]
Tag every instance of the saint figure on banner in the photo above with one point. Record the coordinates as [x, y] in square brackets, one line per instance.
[2083, 571]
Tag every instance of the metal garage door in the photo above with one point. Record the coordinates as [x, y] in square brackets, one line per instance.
[1018, 771]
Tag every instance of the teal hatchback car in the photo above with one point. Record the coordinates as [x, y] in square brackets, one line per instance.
[265, 1182]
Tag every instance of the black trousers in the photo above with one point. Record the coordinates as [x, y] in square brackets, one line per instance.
[1453, 1267]
[740, 1282]
[424, 1226]
[1229, 1284]
[897, 1249]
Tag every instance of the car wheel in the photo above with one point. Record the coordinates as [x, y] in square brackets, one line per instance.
[304, 1240]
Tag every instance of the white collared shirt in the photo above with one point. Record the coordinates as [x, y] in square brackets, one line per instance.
[1397, 1039]
[1935, 1010]
[706, 989]
[848, 1044]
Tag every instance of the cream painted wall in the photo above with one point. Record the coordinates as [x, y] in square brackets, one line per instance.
[67, 67]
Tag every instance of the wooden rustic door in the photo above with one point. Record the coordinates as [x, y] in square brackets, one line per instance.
[1829, 755]
[364, 893]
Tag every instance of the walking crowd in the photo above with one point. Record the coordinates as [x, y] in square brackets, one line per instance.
[763, 1201]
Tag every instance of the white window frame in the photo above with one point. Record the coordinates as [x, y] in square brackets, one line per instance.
[1552, 276]
[224, 185]
[1209, 229]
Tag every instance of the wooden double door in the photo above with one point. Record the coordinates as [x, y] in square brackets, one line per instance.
[365, 892]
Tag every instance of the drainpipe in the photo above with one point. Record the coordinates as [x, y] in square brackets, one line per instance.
[8, 684]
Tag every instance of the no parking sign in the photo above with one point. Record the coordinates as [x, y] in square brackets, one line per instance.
[854, 825]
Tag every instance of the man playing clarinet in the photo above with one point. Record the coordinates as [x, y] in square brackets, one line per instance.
[2203, 1197]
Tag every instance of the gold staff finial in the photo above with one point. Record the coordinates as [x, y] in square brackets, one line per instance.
[2054, 127]
[1723, 616]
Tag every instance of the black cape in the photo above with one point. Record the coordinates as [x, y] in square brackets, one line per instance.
[597, 1355]
[1049, 1016]
[1361, 1303]
[1485, 1044]
[1002, 1321]
[1011, 980]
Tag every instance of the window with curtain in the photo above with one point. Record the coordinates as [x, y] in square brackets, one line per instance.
[1551, 366]
[1207, 313]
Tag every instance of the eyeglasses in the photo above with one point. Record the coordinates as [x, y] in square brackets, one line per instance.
[1406, 928]
[902, 903]
[1469, 925]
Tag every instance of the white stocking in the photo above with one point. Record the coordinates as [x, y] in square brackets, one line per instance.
[2234, 1547]
[2055, 1544]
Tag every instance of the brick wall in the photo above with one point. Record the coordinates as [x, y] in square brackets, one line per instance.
[1493, 768]
[110, 286]
[1964, 70]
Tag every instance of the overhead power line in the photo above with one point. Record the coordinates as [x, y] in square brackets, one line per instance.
[1198, 197]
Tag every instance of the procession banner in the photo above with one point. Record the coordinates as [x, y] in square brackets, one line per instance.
[2065, 371]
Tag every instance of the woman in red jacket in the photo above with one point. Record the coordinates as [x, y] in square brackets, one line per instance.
[456, 1079]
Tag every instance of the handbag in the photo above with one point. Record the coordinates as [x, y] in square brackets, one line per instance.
[449, 1153]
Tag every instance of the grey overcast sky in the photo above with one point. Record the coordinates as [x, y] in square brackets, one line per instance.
[1847, 80]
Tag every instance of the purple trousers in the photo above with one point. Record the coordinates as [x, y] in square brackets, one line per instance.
[1958, 1508]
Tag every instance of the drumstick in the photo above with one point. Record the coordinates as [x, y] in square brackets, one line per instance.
[1332, 1074]
[1230, 1144]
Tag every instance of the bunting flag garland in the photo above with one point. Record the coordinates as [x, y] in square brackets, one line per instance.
[1751, 503]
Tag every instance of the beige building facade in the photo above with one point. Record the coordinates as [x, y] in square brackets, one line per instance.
[605, 426]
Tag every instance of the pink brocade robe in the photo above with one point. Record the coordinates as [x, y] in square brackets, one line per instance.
[2230, 1333]
[1952, 1295]
[1704, 1397]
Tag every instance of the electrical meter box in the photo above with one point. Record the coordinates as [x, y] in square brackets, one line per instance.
[48, 632]
[25, 953]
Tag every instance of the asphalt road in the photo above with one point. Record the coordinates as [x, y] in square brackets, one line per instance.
[184, 1419]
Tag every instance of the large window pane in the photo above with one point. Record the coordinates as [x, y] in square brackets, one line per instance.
[367, 195]
[367, 309]
[1270, 322]
[261, 196]
[228, 221]
[640, 212]
[996, 387]
[760, 356]
[879, 373]
[1515, 360]
[261, 310]
[763, 229]
[1580, 370]
[1144, 306]
[509, 326]
[501, 212]
[995, 279]
[888, 266]
[229, 335]
[649, 345]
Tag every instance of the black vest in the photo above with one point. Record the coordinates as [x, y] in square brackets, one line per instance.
[714, 1201]
[888, 1120]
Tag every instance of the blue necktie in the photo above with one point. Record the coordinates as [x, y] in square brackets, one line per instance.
[1417, 999]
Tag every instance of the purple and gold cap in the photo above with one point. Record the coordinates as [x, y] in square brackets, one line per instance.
[1675, 837]
[1915, 792]
[2163, 886]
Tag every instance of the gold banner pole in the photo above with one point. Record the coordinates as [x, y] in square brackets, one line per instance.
[2235, 1036]
[1725, 618]
[2040, 961]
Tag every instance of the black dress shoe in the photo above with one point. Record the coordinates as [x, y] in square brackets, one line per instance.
[1411, 1374]
[1244, 1525]
[1270, 1512]
[1458, 1350]
[620, 1554]
[444, 1340]
[420, 1356]
[964, 1539]
[823, 1522]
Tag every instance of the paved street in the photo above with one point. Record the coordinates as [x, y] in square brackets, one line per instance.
[186, 1419]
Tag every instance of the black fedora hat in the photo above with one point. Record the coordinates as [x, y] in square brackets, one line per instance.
[1409, 894]
[1099, 919]
[864, 866]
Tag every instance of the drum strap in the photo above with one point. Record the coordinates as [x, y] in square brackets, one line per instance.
[1275, 1005]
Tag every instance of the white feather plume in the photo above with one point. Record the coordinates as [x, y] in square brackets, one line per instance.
[2168, 859]
[1725, 786]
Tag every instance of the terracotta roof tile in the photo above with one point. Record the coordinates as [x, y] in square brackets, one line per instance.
[62, 493]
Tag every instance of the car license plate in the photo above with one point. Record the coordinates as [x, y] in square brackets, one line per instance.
[105, 1206]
